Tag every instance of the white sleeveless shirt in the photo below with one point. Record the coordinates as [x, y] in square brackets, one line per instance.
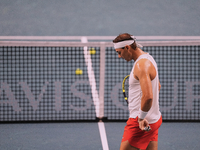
[135, 94]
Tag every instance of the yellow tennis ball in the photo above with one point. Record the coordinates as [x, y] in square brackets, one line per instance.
[92, 51]
[79, 71]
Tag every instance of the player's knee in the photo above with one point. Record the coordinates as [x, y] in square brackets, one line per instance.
[126, 146]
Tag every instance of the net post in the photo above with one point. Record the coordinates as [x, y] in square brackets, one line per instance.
[102, 80]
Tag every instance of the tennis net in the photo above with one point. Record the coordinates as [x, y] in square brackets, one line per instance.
[73, 81]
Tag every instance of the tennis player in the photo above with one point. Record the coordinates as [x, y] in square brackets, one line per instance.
[144, 87]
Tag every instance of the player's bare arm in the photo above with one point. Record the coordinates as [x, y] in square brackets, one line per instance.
[145, 73]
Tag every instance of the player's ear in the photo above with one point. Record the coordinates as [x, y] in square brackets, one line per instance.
[127, 47]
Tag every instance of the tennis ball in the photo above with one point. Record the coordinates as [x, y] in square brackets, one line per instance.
[79, 71]
[92, 51]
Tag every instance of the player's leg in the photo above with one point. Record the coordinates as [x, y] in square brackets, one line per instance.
[153, 145]
[126, 146]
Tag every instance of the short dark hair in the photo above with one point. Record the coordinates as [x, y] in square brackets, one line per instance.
[125, 37]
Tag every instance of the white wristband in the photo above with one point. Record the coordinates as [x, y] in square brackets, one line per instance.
[142, 114]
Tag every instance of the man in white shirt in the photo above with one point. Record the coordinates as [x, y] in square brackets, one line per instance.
[144, 87]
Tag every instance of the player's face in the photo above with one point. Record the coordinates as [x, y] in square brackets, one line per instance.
[123, 53]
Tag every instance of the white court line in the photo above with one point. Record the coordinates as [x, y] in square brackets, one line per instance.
[91, 76]
[103, 136]
[95, 94]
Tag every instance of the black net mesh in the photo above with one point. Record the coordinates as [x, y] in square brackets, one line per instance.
[52, 83]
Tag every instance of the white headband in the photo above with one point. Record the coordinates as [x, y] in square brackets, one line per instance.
[124, 43]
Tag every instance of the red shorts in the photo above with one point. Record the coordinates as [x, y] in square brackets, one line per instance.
[138, 138]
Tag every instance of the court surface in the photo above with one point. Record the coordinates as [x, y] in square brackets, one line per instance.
[77, 136]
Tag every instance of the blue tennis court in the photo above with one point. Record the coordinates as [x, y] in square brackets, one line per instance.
[51, 136]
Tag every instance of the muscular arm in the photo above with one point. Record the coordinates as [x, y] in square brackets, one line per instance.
[145, 72]
[147, 94]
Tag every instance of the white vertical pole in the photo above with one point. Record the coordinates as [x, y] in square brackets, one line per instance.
[102, 79]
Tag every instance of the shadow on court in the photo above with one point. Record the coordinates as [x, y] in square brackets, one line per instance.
[64, 136]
